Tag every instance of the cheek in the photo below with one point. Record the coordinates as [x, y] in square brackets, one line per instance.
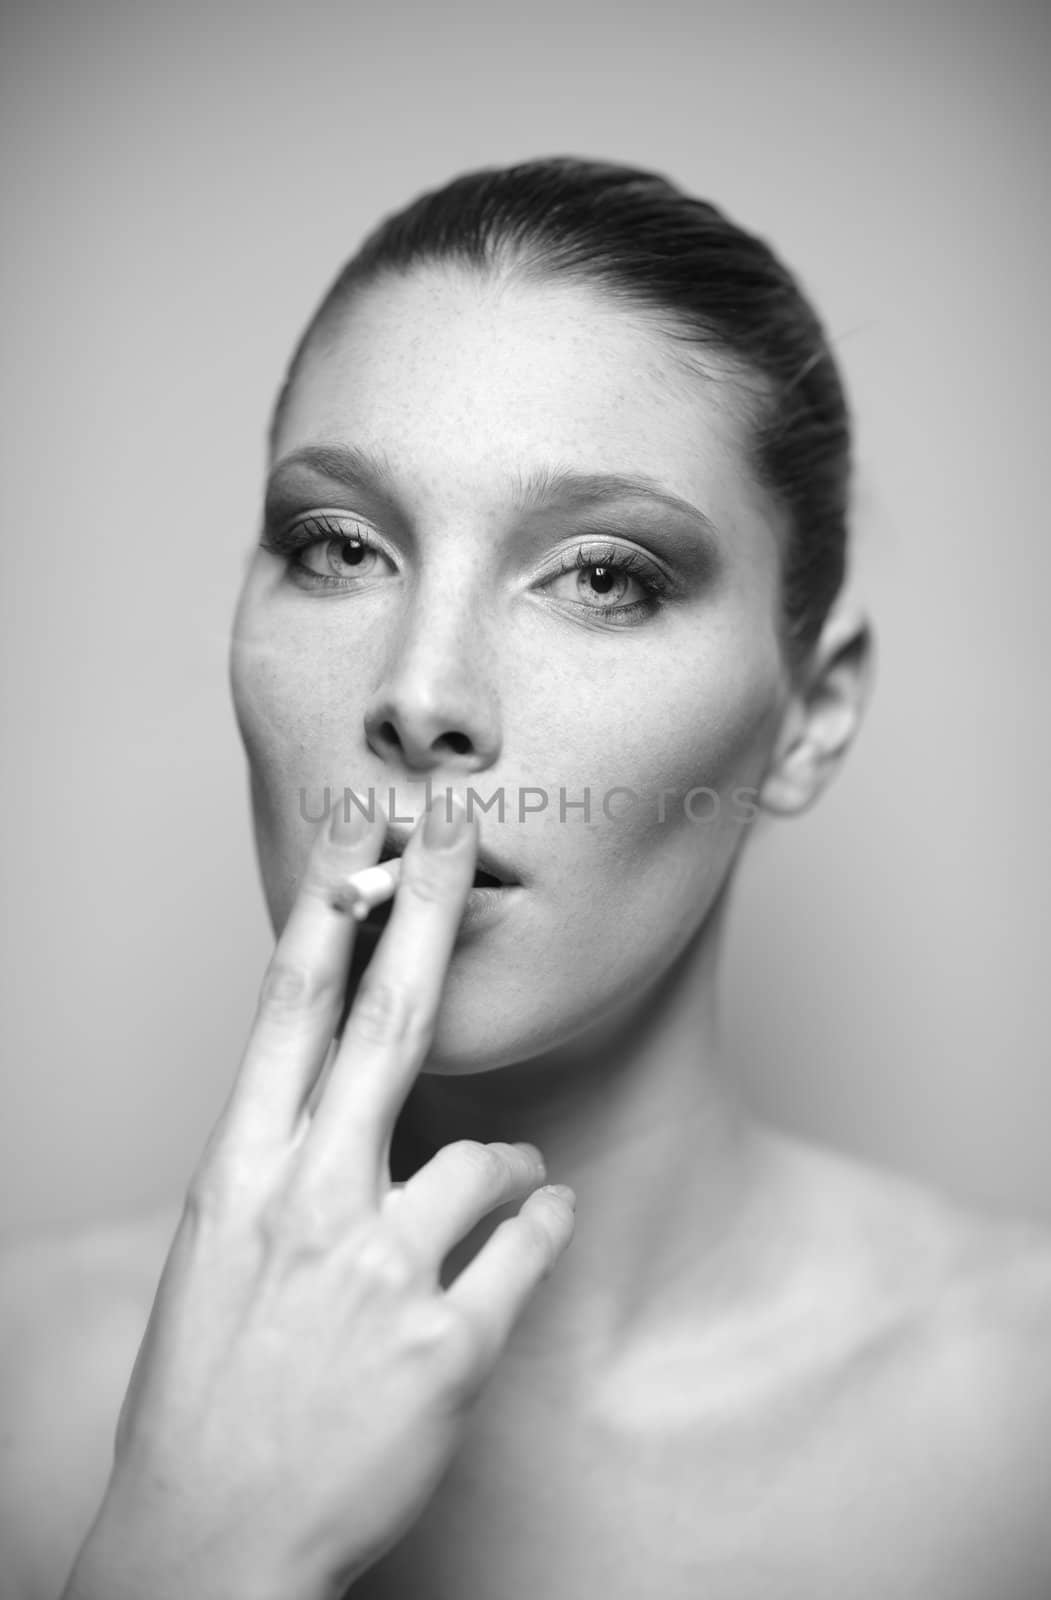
[715, 735]
[687, 746]
[630, 890]
[288, 741]
[616, 900]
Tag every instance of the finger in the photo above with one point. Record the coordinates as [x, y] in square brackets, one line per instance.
[391, 1022]
[495, 1287]
[303, 988]
[459, 1186]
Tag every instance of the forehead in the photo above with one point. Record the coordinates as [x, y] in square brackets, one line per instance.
[464, 385]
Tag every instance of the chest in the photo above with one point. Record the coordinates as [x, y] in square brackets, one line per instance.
[808, 1503]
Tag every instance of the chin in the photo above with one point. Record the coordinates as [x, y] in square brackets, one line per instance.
[469, 1039]
[483, 1027]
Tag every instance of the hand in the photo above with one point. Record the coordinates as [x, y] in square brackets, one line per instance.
[304, 1378]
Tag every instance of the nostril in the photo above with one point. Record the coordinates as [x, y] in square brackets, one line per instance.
[459, 743]
[421, 736]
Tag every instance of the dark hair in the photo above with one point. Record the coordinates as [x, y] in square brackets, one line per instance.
[708, 284]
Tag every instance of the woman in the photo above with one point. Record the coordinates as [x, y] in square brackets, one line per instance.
[552, 560]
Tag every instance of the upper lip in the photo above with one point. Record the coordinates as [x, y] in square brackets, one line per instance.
[396, 839]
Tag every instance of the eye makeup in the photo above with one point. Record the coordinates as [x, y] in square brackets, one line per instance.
[329, 551]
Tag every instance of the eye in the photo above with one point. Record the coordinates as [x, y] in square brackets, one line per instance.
[340, 555]
[327, 550]
[613, 582]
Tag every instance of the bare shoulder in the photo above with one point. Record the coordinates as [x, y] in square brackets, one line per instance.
[951, 1383]
[977, 1382]
[73, 1308]
[989, 1330]
[971, 1280]
[952, 1279]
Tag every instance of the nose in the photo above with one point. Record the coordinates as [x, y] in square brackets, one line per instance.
[436, 702]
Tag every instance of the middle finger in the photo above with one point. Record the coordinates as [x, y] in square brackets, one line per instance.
[303, 988]
[391, 1022]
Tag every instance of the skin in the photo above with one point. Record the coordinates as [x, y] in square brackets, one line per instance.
[600, 1047]
[710, 1393]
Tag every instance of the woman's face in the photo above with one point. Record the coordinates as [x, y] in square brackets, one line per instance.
[428, 621]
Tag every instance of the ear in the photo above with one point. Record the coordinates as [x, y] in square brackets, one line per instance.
[823, 713]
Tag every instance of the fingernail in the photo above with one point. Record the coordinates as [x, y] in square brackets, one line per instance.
[444, 824]
[348, 825]
[564, 1192]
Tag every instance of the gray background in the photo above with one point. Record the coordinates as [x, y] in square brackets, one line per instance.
[178, 186]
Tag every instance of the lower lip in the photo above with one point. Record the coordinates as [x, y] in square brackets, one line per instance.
[486, 906]
[483, 908]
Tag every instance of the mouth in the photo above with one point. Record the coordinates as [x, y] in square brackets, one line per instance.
[483, 903]
[489, 873]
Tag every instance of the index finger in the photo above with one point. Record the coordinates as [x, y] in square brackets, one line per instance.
[391, 1022]
[303, 988]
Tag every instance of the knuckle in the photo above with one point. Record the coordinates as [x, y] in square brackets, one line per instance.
[447, 1339]
[435, 1329]
[219, 1187]
[289, 990]
[298, 1223]
[207, 1199]
[384, 1262]
[484, 1164]
[385, 1012]
[382, 1012]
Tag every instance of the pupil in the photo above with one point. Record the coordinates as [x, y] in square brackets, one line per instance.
[603, 580]
[350, 552]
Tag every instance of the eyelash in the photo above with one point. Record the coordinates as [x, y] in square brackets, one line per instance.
[319, 529]
[620, 562]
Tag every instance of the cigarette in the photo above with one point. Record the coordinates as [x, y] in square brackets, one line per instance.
[370, 887]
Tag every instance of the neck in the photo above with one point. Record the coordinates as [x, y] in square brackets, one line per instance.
[642, 1121]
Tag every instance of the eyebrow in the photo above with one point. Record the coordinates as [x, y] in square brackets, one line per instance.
[360, 469]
